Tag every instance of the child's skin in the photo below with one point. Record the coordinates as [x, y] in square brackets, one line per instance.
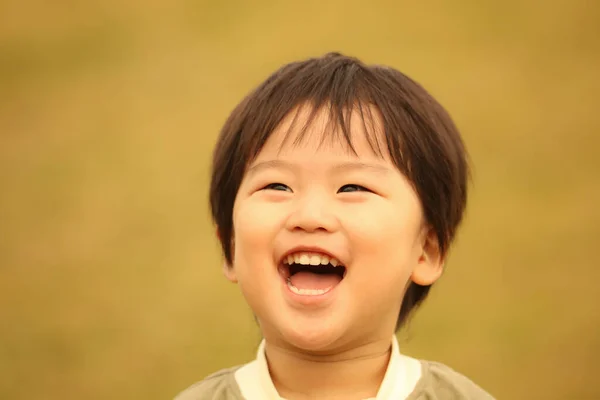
[334, 345]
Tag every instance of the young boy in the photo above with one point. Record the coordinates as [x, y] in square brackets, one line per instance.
[337, 188]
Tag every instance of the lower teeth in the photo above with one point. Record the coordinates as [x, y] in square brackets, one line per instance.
[307, 292]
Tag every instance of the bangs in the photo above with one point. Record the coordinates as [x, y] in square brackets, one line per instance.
[336, 125]
[349, 92]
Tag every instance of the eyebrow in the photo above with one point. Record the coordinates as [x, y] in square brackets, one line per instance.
[271, 164]
[350, 166]
[343, 167]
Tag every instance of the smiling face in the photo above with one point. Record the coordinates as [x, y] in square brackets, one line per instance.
[354, 217]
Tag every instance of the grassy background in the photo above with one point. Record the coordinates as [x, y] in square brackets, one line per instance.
[110, 282]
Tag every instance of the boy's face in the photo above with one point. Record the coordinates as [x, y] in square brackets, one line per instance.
[316, 201]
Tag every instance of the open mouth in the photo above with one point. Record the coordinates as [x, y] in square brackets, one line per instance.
[312, 274]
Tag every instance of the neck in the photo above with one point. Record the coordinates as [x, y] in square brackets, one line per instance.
[354, 373]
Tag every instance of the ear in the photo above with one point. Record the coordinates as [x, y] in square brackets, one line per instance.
[227, 267]
[430, 264]
[229, 272]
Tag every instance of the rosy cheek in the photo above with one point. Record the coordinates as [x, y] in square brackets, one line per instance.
[255, 225]
[382, 234]
[374, 222]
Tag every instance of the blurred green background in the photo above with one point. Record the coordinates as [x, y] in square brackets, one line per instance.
[110, 283]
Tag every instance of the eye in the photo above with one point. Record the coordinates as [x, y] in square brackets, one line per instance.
[277, 186]
[352, 188]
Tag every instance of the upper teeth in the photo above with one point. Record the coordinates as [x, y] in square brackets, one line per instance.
[306, 258]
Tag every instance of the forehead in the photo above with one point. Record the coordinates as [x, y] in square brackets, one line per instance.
[356, 133]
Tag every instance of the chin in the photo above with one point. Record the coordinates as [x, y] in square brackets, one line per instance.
[319, 337]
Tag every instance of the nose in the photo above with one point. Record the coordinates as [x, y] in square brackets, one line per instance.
[312, 213]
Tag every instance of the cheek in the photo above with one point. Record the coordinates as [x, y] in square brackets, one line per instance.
[255, 227]
[384, 235]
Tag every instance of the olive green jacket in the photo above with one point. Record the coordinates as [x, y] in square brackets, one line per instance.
[438, 382]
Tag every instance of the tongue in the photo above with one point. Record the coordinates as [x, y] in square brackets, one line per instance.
[309, 280]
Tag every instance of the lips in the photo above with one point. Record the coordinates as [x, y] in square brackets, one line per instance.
[311, 273]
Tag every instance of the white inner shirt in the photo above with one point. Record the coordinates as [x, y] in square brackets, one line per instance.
[401, 377]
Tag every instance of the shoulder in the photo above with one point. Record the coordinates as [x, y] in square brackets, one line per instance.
[220, 385]
[440, 382]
